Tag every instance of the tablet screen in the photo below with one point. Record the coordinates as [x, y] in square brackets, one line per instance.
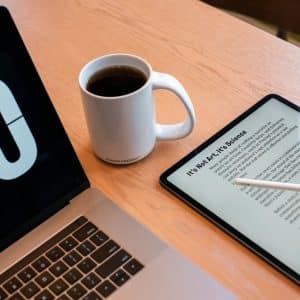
[263, 144]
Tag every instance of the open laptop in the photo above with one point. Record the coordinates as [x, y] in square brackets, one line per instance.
[59, 238]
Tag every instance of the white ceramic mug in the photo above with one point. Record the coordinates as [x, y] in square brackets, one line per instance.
[123, 129]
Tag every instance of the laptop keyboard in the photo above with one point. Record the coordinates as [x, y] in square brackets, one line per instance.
[79, 262]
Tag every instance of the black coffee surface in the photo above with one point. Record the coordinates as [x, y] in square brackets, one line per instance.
[116, 81]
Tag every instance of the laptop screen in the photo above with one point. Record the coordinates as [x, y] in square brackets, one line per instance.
[39, 171]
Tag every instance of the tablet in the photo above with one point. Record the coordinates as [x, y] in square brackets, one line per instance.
[263, 143]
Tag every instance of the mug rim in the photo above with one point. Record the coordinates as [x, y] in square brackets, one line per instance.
[93, 61]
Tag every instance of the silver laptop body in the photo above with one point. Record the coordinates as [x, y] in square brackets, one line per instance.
[165, 275]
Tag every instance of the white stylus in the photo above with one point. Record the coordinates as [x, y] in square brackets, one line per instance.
[267, 184]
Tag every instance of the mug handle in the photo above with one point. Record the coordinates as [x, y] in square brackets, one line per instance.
[178, 130]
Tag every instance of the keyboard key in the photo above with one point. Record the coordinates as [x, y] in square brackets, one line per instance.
[44, 295]
[55, 253]
[85, 231]
[91, 280]
[41, 264]
[77, 291]
[58, 287]
[27, 274]
[106, 288]
[44, 279]
[63, 297]
[119, 278]
[72, 258]
[58, 268]
[99, 238]
[105, 251]
[133, 266]
[16, 296]
[86, 248]
[12, 285]
[30, 290]
[113, 263]
[72, 276]
[86, 265]
[92, 296]
[3, 295]
[68, 244]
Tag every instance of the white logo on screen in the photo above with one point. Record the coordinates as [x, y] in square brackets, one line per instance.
[21, 134]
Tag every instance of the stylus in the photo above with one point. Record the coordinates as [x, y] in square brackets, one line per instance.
[267, 184]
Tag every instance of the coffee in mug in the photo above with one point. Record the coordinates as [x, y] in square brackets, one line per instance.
[116, 81]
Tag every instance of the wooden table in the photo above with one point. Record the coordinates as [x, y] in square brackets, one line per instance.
[226, 65]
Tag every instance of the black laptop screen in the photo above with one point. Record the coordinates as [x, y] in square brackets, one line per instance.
[39, 171]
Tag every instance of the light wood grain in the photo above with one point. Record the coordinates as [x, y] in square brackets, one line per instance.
[226, 65]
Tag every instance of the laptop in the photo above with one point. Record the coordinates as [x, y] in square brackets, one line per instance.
[60, 238]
